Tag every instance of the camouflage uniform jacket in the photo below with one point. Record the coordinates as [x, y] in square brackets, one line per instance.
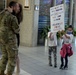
[8, 27]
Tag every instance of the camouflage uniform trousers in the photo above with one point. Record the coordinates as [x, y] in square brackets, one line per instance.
[54, 50]
[9, 55]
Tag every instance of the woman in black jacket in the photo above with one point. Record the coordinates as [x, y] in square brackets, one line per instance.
[20, 18]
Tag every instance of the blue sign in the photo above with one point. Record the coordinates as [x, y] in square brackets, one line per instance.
[59, 2]
[46, 1]
[67, 1]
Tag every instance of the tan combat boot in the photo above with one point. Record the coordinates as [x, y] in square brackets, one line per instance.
[9, 73]
[2, 73]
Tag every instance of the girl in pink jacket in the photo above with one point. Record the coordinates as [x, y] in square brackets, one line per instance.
[66, 49]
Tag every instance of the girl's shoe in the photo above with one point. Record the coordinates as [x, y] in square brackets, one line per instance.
[55, 66]
[61, 67]
[50, 64]
[66, 67]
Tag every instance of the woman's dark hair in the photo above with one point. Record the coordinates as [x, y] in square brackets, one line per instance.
[20, 14]
[12, 3]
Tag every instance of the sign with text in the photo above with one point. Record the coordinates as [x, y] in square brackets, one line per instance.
[57, 18]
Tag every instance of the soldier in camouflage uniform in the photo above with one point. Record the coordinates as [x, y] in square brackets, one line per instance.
[8, 29]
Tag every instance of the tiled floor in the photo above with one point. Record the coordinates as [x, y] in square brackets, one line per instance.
[34, 61]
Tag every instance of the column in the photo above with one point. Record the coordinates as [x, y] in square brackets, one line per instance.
[71, 12]
[35, 26]
[64, 3]
[75, 15]
[54, 3]
[5, 3]
[27, 26]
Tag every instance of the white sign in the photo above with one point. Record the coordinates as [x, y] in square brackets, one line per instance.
[57, 18]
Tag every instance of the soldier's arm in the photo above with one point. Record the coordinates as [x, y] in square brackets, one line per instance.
[15, 25]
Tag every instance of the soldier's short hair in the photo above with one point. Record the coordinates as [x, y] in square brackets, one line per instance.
[12, 3]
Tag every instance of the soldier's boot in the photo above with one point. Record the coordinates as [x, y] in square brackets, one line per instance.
[2, 73]
[8, 73]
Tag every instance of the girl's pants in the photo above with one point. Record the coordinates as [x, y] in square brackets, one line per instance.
[54, 50]
[66, 61]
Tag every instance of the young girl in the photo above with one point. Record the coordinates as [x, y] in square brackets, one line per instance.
[67, 40]
[52, 44]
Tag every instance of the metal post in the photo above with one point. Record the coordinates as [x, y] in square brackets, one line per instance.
[54, 3]
[71, 12]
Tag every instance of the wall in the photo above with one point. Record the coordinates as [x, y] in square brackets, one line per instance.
[29, 26]
[26, 27]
